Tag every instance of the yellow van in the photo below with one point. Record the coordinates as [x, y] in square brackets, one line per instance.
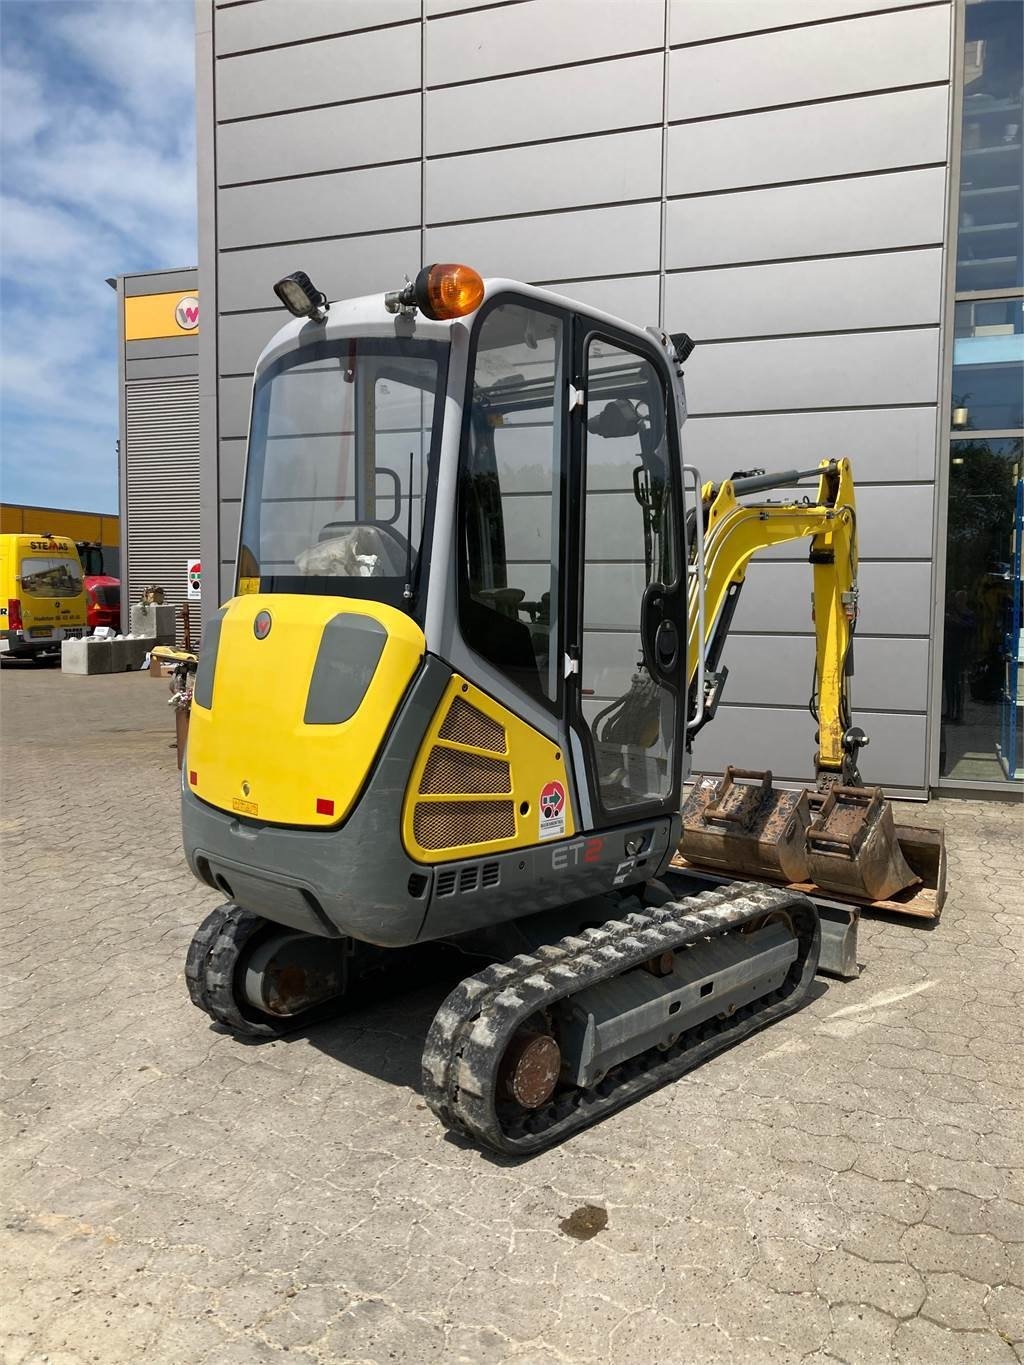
[42, 594]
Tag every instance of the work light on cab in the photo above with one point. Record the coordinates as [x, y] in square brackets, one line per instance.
[301, 297]
[440, 292]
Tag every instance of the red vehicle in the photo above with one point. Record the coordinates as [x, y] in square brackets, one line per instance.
[102, 593]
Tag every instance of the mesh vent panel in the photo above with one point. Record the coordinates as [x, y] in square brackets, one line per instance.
[466, 725]
[463, 822]
[448, 770]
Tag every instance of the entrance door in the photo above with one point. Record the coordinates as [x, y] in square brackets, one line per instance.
[631, 628]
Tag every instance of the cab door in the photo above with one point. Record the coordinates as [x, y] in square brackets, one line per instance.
[626, 657]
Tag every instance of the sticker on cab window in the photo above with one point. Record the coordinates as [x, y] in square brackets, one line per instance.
[552, 811]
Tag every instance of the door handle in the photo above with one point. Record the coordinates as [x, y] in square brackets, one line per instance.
[666, 645]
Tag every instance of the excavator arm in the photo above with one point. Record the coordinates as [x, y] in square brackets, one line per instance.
[733, 532]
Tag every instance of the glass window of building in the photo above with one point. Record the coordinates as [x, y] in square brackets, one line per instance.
[989, 252]
[982, 725]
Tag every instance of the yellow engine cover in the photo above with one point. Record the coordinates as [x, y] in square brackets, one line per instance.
[483, 782]
[253, 750]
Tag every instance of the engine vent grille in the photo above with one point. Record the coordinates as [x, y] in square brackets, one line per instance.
[467, 877]
[452, 771]
[463, 822]
[464, 724]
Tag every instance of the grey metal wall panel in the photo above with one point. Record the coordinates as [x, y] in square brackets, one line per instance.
[319, 140]
[774, 670]
[380, 62]
[160, 282]
[820, 61]
[170, 365]
[435, 8]
[884, 444]
[230, 514]
[895, 522]
[551, 175]
[232, 467]
[691, 22]
[536, 34]
[555, 246]
[294, 21]
[321, 206]
[342, 269]
[783, 740]
[242, 337]
[846, 292]
[548, 104]
[206, 223]
[907, 128]
[865, 213]
[227, 578]
[858, 370]
[235, 397]
[156, 347]
[634, 298]
[895, 598]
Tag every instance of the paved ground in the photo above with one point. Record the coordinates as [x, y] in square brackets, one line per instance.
[847, 1186]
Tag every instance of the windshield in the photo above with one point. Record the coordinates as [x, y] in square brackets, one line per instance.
[343, 442]
[54, 576]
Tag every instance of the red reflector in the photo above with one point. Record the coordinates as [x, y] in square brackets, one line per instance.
[193, 777]
[323, 806]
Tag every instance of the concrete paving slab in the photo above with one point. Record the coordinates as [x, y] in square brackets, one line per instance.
[847, 1186]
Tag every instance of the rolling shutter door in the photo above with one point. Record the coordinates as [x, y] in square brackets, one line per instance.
[162, 462]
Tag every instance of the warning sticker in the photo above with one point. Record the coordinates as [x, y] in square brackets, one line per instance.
[552, 811]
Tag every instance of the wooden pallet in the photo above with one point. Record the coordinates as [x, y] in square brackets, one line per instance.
[925, 852]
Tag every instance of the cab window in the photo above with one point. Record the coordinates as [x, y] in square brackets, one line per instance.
[51, 576]
[510, 490]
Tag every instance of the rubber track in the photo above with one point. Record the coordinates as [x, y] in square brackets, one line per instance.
[472, 1029]
[210, 968]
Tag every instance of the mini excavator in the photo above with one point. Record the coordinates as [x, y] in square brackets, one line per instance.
[480, 610]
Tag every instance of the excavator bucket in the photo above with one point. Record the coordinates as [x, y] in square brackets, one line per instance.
[852, 847]
[746, 828]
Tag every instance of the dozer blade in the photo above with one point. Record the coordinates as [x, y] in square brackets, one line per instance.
[744, 827]
[852, 846]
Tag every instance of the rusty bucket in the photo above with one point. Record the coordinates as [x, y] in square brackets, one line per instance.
[745, 827]
[852, 846]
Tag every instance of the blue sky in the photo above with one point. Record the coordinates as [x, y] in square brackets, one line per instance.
[97, 178]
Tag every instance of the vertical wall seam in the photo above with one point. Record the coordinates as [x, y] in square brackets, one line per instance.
[940, 514]
[663, 211]
[423, 131]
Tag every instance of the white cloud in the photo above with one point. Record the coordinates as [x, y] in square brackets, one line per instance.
[98, 178]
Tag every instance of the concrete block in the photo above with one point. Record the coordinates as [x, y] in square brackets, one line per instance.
[86, 657]
[155, 621]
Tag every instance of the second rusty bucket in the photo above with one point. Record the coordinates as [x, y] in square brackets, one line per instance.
[745, 827]
[852, 846]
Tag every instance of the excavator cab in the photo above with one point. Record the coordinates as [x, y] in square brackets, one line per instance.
[479, 611]
[460, 624]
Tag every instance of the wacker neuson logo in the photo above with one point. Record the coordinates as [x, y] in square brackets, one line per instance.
[186, 313]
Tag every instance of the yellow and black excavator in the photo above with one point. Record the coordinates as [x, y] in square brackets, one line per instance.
[480, 611]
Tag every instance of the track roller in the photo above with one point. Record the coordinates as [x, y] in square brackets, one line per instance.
[531, 1050]
[260, 980]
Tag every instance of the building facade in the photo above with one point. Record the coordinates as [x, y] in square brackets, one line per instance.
[158, 445]
[782, 179]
